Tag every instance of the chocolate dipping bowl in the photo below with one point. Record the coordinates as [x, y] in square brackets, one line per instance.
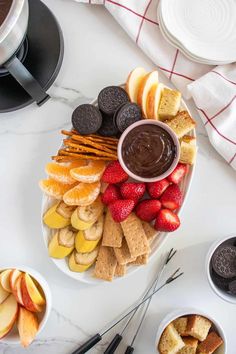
[221, 293]
[168, 146]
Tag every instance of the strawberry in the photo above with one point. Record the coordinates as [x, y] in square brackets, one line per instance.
[172, 197]
[167, 221]
[134, 191]
[111, 194]
[114, 173]
[179, 172]
[155, 189]
[120, 209]
[148, 209]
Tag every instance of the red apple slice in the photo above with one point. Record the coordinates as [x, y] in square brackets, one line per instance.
[5, 279]
[133, 82]
[27, 326]
[16, 291]
[8, 315]
[147, 83]
[14, 275]
[3, 294]
[29, 294]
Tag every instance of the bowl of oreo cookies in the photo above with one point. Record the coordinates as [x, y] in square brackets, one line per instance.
[221, 268]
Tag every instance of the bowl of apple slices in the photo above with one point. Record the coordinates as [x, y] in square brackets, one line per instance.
[25, 304]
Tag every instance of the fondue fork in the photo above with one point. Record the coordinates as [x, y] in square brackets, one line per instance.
[84, 348]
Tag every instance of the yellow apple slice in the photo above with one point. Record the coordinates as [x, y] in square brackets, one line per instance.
[133, 82]
[153, 101]
[80, 262]
[62, 243]
[8, 315]
[14, 275]
[27, 325]
[87, 240]
[148, 81]
[5, 279]
[3, 294]
[32, 299]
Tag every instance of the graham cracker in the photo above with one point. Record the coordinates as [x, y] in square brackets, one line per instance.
[112, 232]
[141, 260]
[149, 230]
[122, 253]
[106, 264]
[120, 270]
[135, 236]
[181, 124]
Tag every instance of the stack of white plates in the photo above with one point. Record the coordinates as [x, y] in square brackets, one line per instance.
[204, 30]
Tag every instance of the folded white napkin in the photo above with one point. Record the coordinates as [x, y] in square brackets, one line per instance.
[213, 91]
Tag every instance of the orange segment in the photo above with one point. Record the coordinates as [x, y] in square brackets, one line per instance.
[53, 188]
[60, 172]
[83, 194]
[90, 173]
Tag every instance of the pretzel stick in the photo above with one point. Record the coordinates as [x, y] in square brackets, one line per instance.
[88, 149]
[65, 158]
[85, 141]
[87, 157]
[109, 144]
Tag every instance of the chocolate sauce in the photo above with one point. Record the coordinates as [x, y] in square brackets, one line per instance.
[5, 6]
[148, 150]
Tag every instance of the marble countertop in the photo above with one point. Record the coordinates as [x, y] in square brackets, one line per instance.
[99, 53]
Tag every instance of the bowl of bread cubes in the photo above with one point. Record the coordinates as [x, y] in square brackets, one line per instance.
[190, 331]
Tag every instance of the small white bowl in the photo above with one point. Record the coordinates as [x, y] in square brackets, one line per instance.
[191, 311]
[225, 296]
[13, 337]
[168, 130]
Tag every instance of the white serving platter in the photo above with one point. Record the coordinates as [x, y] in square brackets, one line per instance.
[87, 277]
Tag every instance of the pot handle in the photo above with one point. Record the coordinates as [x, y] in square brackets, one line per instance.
[27, 81]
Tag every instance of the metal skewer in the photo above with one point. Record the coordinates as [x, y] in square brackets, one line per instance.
[84, 348]
[119, 336]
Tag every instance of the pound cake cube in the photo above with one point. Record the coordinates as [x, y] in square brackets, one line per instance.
[169, 104]
[188, 153]
[181, 325]
[170, 342]
[210, 344]
[190, 346]
[198, 327]
[181, 124]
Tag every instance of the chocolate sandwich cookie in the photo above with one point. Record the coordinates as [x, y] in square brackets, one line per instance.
[108, 127]
[110, 98]
[126, 115]
[224, 261]
[86, 119]
[219, 281]
[232, 287]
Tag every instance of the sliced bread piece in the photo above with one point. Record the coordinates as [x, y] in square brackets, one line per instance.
[181, 325]
[188, 153]
[210, 344]
[198, 327]
[190, 346]
[169, 104]
[181, 124]
[170, 342]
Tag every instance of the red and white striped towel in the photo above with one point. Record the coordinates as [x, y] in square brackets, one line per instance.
[213, 89]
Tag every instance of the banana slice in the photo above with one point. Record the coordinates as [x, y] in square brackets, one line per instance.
[58, 216]
[87, 240]
[79, 262]
[62, 243]
[84, 217]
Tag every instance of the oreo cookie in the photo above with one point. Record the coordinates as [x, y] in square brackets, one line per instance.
[219, 281]
[224, 261]
[126, 115]
[108, 127]
[232, 287]
[111, 98]
[86, 119]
